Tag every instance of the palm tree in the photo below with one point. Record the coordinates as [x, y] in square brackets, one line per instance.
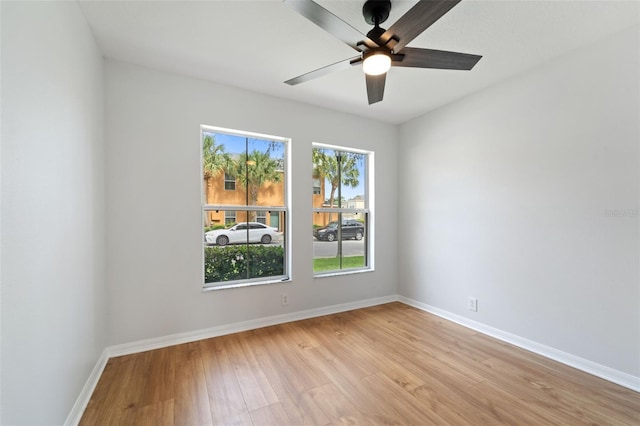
[214, 159]
[253, 171]
[326, 166]
[214, 162]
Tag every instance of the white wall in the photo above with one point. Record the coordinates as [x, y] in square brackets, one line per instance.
[509, 189]
[53, 244]
[153, 202]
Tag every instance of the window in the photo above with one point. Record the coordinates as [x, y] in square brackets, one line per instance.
[341, 221]
[229, 182]
[229, 217]
[317, 188]
[251, 247]
[261, 217]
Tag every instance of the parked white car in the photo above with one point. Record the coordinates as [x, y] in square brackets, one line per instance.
[257, 233]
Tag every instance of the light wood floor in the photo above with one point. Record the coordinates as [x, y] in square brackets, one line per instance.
[389, 364]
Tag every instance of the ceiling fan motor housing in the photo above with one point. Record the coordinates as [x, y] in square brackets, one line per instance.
[376, 11]
[375, 34]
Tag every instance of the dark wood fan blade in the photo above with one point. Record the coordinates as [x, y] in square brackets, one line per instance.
[440, 59]
[415, 21]
[330, 23]
[311, 75]
[375, 87]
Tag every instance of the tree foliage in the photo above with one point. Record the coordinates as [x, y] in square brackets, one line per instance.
[326, 166]
[214, 159]
[254, 170]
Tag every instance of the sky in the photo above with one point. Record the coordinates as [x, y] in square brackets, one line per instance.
[236, 144]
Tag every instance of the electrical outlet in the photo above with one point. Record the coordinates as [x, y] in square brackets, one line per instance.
[473, 304]
[285, 299]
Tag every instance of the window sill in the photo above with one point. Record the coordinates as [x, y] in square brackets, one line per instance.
[343, 272]
[244, 284]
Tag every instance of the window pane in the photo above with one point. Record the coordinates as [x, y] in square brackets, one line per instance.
[339, 244]
[229, 218]
[244, 171]
[229, 182]
[261, 217]
[348, 192]
[243, 251]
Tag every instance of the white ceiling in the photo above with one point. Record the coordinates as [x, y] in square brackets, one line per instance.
[257, 45]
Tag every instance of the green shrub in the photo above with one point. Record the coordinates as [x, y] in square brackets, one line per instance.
[242, 262]
[213, 227]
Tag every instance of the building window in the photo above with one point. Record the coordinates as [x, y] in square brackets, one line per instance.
[342, 222]
[254, 170]
[317, 189]
[261, 217]
[229, 182]
[229, 217]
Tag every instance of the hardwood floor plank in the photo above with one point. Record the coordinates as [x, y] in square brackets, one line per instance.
[374, 410]
[388, 364]
[191, 403]
[297, 358]
[282, 374]
[126, 390]
[187, 352]
[407, 409]
[159, 414]
[309, 411]
[255, 387]
[160, 376]
[334, 348]
[336, 406]
[241, 419]
[609, 394]
[450, 405]
[432, 337]
[225, 397]
[285, 381]
[99, 397]
[297, 336]
[519, 381]
[509, 409]
[596, 408]
[270, 415]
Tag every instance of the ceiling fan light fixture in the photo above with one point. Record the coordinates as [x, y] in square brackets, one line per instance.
[376, 62]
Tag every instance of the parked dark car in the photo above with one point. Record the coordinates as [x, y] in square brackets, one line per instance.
[350, 229]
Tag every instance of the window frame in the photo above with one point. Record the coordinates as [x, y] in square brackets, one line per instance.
[367, 211]
[284, 210]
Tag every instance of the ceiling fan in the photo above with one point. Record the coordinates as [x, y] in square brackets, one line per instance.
[382, 48]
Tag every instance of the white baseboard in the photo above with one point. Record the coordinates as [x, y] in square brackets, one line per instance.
[604, 372]
[83, 399]
[175, 339]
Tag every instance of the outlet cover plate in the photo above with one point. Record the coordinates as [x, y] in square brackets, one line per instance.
[473, 304]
